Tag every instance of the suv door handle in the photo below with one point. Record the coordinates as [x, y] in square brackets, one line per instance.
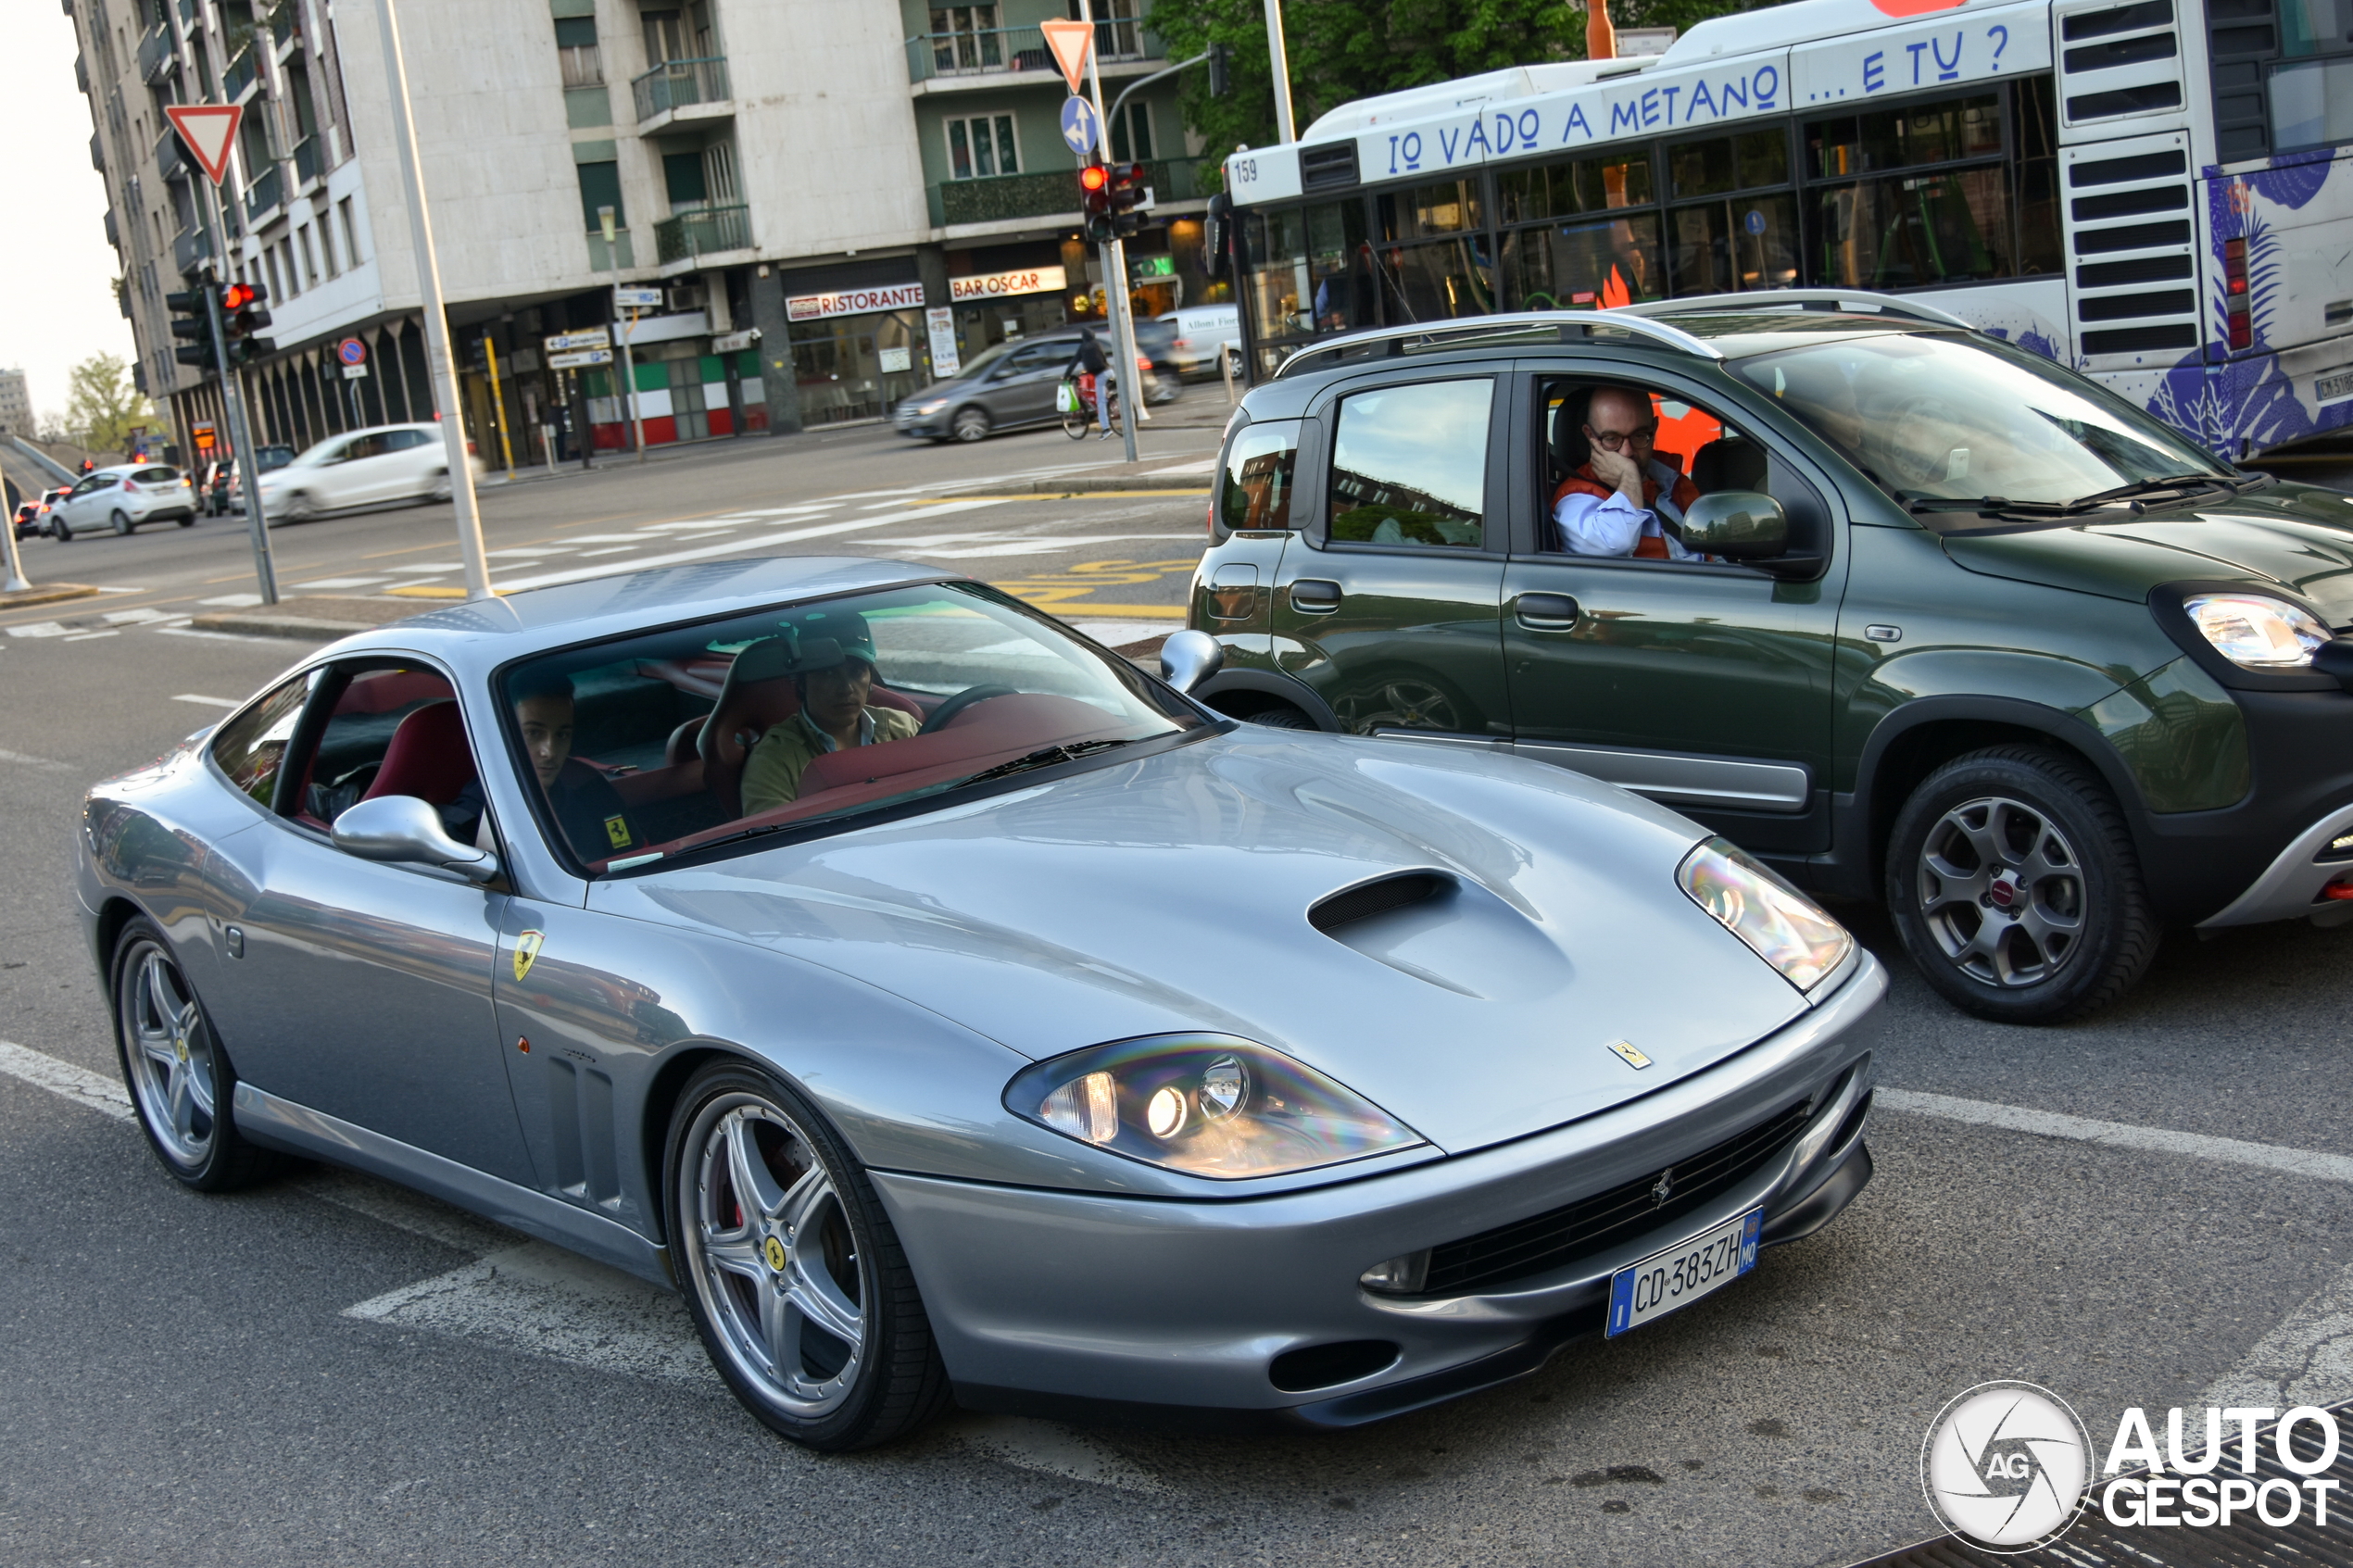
[1545, 612]
[1315, 596]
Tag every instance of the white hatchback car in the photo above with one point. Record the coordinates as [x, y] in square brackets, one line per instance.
[122, 497]
[361, 468]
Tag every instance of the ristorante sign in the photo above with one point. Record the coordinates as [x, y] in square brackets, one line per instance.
[853, 302]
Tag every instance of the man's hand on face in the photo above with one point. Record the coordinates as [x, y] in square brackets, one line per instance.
[1619, 471]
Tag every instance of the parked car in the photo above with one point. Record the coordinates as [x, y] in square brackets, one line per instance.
[1078, 1050]
[1974, 636]
[27, 522]
[1009, 386]
[1202, 333]
[122, 497]
[360, 467]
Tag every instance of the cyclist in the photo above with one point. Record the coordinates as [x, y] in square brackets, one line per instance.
[1090, 360]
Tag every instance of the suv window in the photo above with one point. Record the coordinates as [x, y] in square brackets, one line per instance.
[250, 746]
[1258, 476]
[1409, 465]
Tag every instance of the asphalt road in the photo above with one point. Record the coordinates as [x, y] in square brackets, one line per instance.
[323, 1371]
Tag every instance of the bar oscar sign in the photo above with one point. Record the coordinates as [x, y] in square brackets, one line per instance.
[1000, 286]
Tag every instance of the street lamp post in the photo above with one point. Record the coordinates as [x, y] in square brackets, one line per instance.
[439, 356]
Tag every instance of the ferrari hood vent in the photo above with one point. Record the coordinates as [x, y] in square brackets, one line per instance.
[1379, 897]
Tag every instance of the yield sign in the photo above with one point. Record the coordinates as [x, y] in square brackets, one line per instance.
[1070, 42]
[208, 129]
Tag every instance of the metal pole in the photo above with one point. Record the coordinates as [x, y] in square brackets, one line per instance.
[1280, 62]
[265, 570]
[438, 359]
[15, 583]
[1114, 256]
[629, 380]
[497, 402]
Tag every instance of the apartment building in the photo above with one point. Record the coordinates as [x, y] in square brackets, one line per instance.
[15, 404]
[802, 180]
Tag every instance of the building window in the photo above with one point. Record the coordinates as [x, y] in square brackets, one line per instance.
[1131, 134]
[1116, 35]
[600, 187]
[293, 282]
[584, 64]
[982, 146]
[327, 247]
[277, 288]
[965, 38]
[350, 231]
[309, 257]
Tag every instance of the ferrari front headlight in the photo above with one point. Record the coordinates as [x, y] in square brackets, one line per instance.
[1785, 927]
[2255, 631]
[1207, 1105]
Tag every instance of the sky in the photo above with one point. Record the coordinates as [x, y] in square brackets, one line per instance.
[56, 270]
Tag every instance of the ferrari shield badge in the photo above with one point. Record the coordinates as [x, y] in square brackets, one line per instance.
[1623, 1049]
[526, 949]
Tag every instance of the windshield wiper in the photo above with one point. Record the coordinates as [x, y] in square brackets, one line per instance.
[2175, 484]
[1045, 756]
[1982, 504]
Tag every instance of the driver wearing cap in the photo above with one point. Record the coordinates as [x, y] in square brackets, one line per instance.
[833, 675]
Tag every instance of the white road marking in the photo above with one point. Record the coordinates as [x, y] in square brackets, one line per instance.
[38, 629]
[2118, 1135]
[1205, 465]
[610, 550]
[1117, 633]
[22, 761]
[428, 565]
[233, 601]
[1056, 1451]
[2308, 1360]
[133, 617]
[605, 539]
[1034, 546]
[105, 1095]
[756, 542]
[204, 701]
[343, 582]
[531, 550]
[91, 636]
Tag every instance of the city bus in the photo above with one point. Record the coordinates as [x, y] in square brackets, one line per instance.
[2147, 190]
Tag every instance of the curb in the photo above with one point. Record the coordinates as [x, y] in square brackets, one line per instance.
[297, 626]
[57, 593]
[313, 618]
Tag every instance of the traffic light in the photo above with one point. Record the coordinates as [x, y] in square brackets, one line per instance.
[245, 310]
[1128, 191]
[1094, 201]
[1221, 69]
[195, 334]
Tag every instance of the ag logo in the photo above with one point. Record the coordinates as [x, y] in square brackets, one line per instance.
[2006, 1466]
[527, 949]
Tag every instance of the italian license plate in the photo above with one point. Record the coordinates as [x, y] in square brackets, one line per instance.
[2329, 388]
[1684, 1272]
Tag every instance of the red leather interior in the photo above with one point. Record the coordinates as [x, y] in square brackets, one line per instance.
[428, 758]
[758, 694]
[660, 784]
[383, 690]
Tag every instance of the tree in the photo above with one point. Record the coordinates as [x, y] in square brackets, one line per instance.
[101, 404]
[1342, 50]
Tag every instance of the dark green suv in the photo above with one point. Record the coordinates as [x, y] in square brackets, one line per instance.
[1906, 611]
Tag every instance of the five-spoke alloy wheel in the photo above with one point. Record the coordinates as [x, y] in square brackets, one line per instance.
[797, 1282]
[2012, 879]
[179, 1078]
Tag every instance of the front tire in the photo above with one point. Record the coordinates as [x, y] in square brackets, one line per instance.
[439, 490]
[180, 1080]
[122, 523]
[1280, 717]
[797, 1282]
[969, 424]
[59, 531]
[299, 508]
[2016, 889]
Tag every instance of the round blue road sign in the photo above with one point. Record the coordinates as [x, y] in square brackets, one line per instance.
[1080, 126]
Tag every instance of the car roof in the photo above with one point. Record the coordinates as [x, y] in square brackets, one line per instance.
[478, 635]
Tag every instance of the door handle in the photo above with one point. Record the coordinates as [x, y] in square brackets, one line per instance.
[1315, 596]
[1545, 612]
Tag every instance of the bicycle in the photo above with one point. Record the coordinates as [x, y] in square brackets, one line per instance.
[1077, 400]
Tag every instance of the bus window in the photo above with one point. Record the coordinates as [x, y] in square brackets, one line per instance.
[1303, 271]
[1917, 224]
[1590, 262]
[1733, 242]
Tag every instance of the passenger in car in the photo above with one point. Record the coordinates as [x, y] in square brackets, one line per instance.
[1627, 498]
[586, 807]
[833, 675]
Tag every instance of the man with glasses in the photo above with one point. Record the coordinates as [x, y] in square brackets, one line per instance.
[1625, 498]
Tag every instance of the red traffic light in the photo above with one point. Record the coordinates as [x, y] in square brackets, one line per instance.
[1094, 177]
[236, 297]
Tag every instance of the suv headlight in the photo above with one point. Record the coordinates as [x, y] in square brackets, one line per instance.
[1207, 1105]
[2255, 631]
[1785, 927]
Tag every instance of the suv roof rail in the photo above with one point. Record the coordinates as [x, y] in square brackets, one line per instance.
[1522, 327]
[1854, 302]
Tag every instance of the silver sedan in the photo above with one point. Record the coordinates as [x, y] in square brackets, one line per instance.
[950, 1010]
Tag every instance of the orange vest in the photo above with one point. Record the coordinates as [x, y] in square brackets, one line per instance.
[1650, 547]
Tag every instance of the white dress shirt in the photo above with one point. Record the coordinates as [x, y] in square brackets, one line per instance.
[1611, 525]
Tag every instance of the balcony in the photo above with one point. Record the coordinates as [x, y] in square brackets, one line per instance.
[305, 162]
[156, 58]
[1013, 196]
[1002, 51]
[262, 195]
[239, 75]
[676, 89]
[191, 250]
[707, 232]
[171, 157]
[114, 236]
[98, 154]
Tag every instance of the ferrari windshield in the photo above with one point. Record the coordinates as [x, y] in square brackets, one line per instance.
[1938, 417]
[651, 746]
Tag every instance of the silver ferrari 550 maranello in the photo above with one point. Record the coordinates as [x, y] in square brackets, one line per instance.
[949, 1010]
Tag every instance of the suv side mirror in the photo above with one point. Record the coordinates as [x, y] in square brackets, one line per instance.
[405, 830]
[1737, 525]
